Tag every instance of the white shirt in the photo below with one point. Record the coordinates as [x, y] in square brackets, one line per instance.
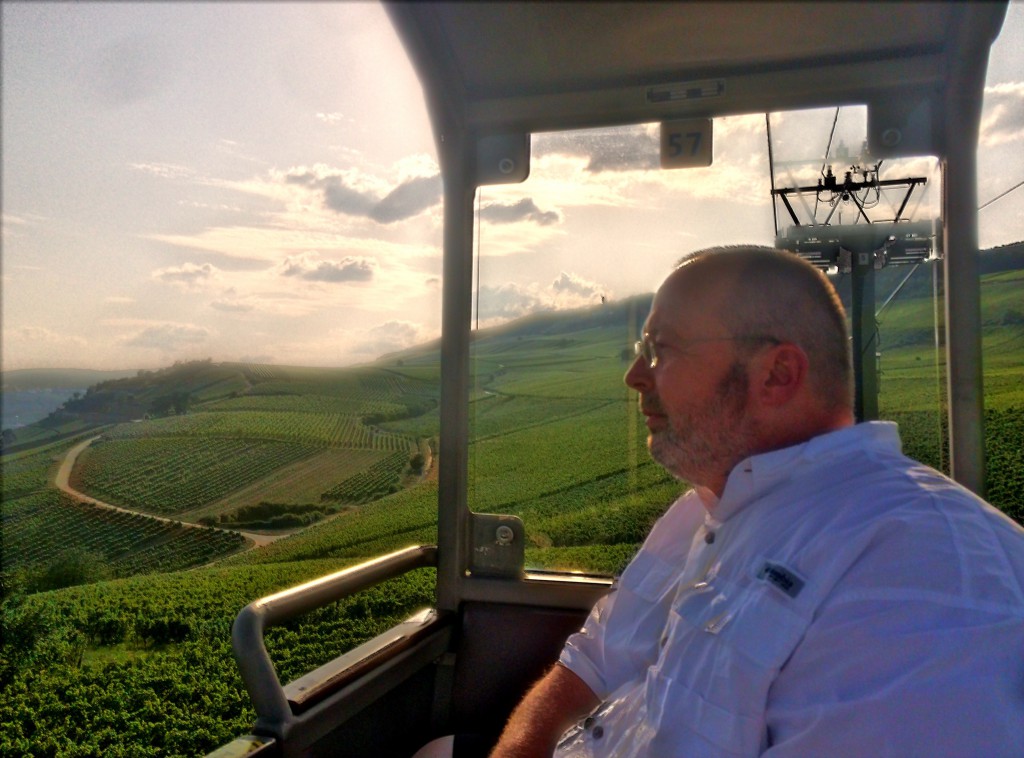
[840, 599]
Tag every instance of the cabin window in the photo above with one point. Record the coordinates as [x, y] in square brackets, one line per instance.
[566, 263]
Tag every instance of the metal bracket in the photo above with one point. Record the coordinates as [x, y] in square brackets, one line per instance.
[498, 547]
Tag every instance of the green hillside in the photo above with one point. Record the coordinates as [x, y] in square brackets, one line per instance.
[337, 464]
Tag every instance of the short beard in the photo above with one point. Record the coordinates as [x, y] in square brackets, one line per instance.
[711, 439]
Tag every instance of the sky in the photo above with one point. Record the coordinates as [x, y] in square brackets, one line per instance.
[258, 182]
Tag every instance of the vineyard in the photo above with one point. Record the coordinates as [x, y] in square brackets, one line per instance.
[328, 429]
[167, 475]
[380, 479]
[141, 664]
[38, 527]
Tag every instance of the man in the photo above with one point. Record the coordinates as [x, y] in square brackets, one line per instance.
[816, 593]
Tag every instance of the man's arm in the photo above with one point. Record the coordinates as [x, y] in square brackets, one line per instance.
[557, 701]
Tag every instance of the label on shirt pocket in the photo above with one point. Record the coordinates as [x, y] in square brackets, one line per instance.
[782, 578]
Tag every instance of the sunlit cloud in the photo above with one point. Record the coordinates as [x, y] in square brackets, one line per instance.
[231, 305]
[119, 300]
[188, 275]
[573, 285]
[311, 267]
[408, 199]
[163, 170]
[16, 226]
[1002, 119]
[523, 210]
[292, 233]
[391, 336]
[334, 118]
[346, 192]
[232, 207]
[40, 335]
[511, 300]
[167, 336]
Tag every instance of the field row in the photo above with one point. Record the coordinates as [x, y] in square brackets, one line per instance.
[170, 475]
[303, 482]
[382, 478]
[325, 404]
[40, 527]
[326, 429]
[187, 699]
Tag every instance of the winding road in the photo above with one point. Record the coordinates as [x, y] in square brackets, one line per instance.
[63, 483]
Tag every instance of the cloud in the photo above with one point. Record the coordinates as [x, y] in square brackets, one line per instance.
[407, 199]
[231, 305]
[338, 197]
[119, 300]
[571, 284]
[334, 118]
[391, 336]
[1002, 119]
[163, 170]
[189, 275]
[37, 335]
[167, 336]
[510, 300]
[524, 210]
[308, 266]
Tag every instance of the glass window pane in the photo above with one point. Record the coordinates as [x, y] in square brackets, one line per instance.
[566, 266]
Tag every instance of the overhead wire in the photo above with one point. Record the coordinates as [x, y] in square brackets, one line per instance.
[1002, 194]
[771, 170]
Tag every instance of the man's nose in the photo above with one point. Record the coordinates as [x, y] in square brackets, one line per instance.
[638, 376]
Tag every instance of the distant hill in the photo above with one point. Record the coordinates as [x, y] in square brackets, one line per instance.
[55, 378]
[29, 395]
[122, 396]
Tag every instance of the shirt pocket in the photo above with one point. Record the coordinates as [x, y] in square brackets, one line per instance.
[723, 648]
[708, 729]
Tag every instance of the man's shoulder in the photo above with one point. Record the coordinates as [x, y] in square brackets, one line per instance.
[923, 535]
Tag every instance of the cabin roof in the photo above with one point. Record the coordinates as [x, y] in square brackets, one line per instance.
[537, 66]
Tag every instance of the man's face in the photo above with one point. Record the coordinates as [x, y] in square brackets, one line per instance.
[695, 396]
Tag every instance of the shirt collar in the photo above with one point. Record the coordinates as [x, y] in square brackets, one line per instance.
[755, 476]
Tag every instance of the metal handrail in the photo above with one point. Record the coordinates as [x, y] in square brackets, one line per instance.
[258, 674]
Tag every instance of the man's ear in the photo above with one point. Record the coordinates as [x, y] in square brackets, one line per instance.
[782, 374]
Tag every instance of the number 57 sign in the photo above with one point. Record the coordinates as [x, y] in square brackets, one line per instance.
[686, 144]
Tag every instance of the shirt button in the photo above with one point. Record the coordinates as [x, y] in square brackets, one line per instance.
[598, 732]
[709, 537]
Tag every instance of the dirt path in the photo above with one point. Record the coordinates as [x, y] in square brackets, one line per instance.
[63, 483]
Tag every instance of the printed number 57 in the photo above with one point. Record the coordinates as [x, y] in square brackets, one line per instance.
[677, 143]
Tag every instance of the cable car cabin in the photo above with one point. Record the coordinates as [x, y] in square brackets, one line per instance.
[518, 91]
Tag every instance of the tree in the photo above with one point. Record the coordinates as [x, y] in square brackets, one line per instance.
[73, 566]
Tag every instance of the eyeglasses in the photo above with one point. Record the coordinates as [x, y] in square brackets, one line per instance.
[646, 347]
